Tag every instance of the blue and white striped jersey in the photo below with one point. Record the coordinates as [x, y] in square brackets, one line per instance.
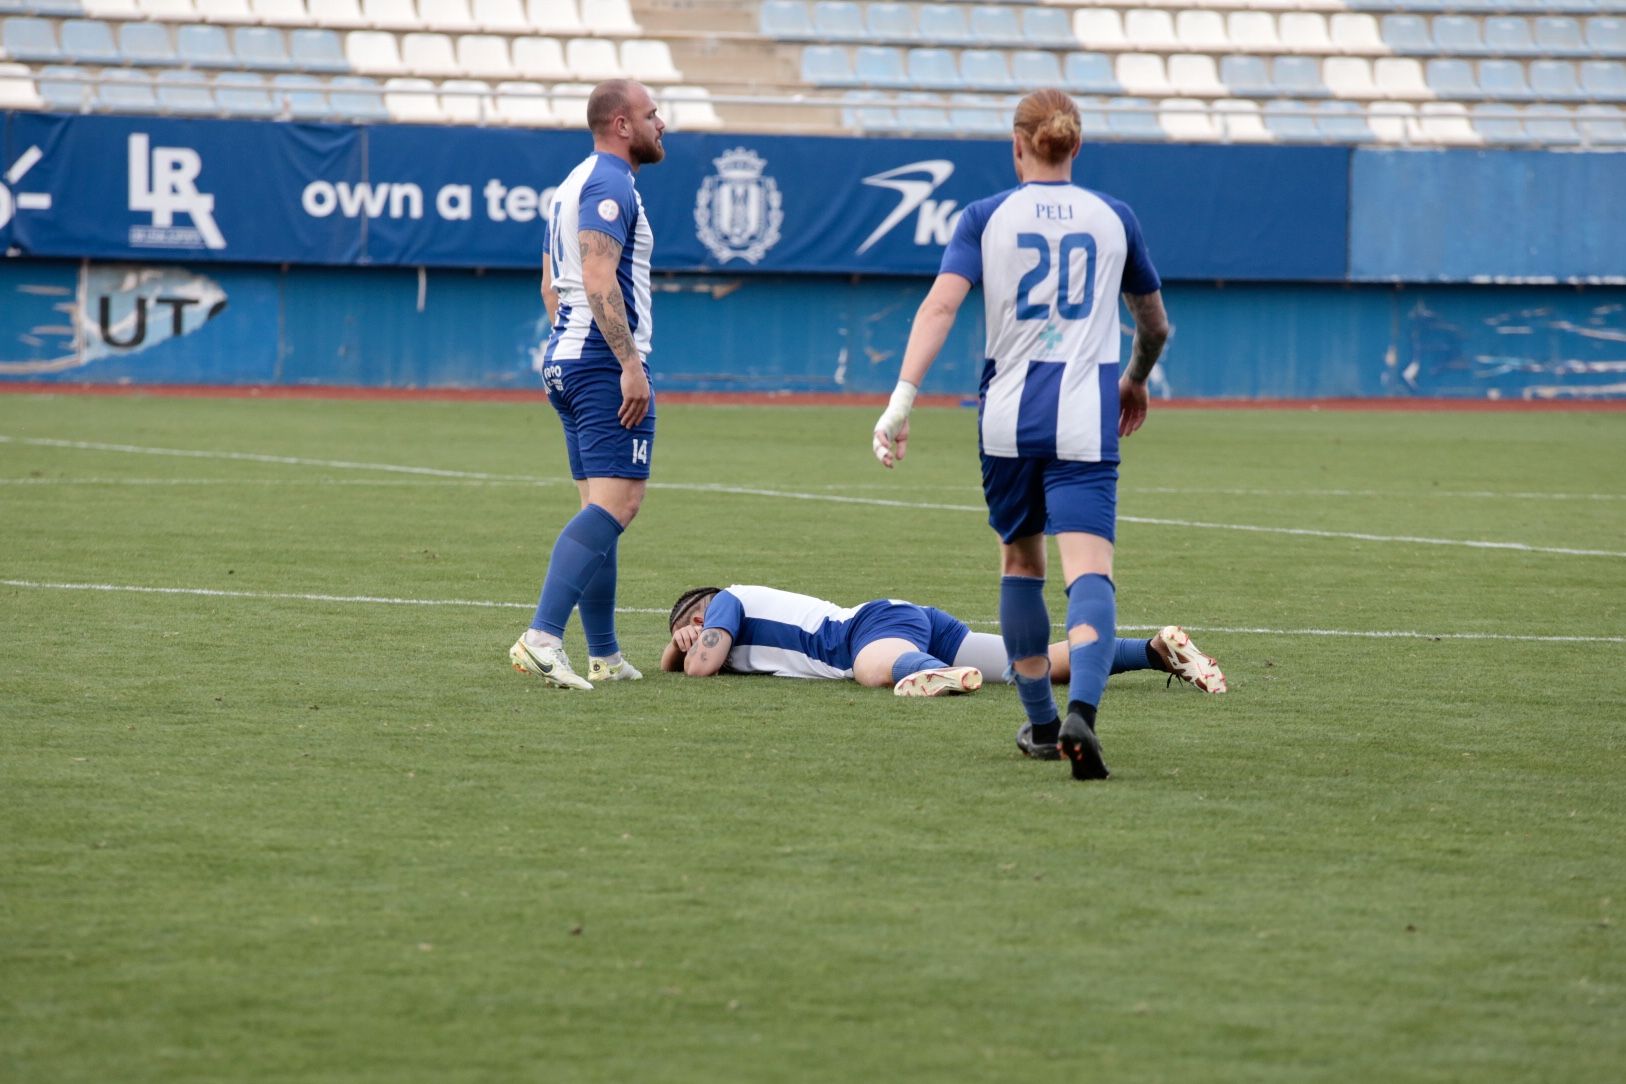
[783, 633]
[598, 195]
[1052, 258]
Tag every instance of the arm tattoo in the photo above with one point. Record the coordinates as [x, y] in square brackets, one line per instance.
[609, 309]
[710, 638]
[1151, 332]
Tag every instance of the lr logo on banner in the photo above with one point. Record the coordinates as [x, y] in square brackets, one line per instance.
[164, 183]
[738, 211]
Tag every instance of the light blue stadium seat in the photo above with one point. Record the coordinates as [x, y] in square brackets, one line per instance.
[1090, 73]
[1508, 35]
[880, 66]
[1551, 126]
[1452, 78]
[996, 26]
[190, 99]
[923, 113]
[995, 119]
[1047, 26]
[838, 20]
[1343, 122]
[1559, 36]
[204, 47]
[1554, 81]
[1503, 80]
[942, 24]
[61, 8]
[1247, 76]
[1134, 119]
[147, 44]
[1033, 68]
[89, 41]
[261, 48]
[245, 94]
[1406, 34]
[123, 91]
[356, 97]
[1459, 35]
[1606, 36]
[1499, 122]
[890, 22]
[827, 66]
[1290, 122]
[985, 69]
[60, 91]
[1602, 125]
[785, 19]
[867, 110]
[1298, 76]
[27, 38]
[933, 68]
[1091, 120]
[1604, 80]
[301, 96]
[317, 50]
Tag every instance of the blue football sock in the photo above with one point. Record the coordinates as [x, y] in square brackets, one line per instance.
[913, 661]
[577, 554]
[1024, 622]
[1129, 654]
[597, 607]
[1091, 601]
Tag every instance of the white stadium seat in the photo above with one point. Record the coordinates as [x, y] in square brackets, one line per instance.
[1446, 122]
[1350, 77]
[1148, 28]
[690, 108]
[540, 58]
[1356, 33]
[294, 13]
[1393, 122]
[501, 16]
[451, 16]
[334, 14]
[467, 101]
[609, 17]
[1099, 28]
[1142, 74]
[1400, 77]
[570, 103]
[1186, 119]
[554, 16]
[174, 11]
[649, 61]
[373, 51]
[429, 54]
[484, 55]
[1252, 31]
[1305, 32]
[1194, 74]
[390, 14]
[1241, 122]
[224, 12]
[1202, 31]
[412, 101]
[593, 59]
[524, 104]
[17, 88]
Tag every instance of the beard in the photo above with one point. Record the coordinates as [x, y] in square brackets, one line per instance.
[646, 152]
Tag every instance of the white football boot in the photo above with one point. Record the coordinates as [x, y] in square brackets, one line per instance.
[948, 680]
[599, 669]
[548, 663]
[1182, 659]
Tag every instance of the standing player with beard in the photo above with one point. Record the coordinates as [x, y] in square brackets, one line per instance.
[595, 283]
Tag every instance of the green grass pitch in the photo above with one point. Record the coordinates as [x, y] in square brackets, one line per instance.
[261, 835]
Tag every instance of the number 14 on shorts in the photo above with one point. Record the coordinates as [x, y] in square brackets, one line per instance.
[640, 451]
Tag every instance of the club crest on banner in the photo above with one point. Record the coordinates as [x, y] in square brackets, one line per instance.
[738, 211]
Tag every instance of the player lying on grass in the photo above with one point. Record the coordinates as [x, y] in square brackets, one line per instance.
[918, 650]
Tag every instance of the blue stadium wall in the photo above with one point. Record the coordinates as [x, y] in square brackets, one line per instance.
[149, 251]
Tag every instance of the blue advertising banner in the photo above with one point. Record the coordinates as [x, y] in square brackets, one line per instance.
[397, 195]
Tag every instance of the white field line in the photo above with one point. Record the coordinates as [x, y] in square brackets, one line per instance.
[488, 604]
[341, 464]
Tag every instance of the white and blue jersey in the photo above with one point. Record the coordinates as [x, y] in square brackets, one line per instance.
[598, 195]
[791, 635]
[1052, 259]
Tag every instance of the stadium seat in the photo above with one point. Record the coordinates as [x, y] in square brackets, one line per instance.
[390, 14]
[1092, 119]
[1246, 76]
[924, 113]
[524, 105]
[449, 17]
[943, 24]
[432, 55]
[1342, 122]
[787, 20]
[1252, 31]
[867, 111]
[204, 47]
[26, 38]
[879, 66]
[357, 97]
[827, 66]
[1090, 73]
[1505, 35]
[501, 17]
[1452, 77]
[1601, 125]
[1349, 77]
[1554, 81]
[1445, 123]
[838, 20]
[1201, 31]
[149, 44]
[1606, 36]
[245, 94]
[1047, 26]
[1238, 121]
[300, 97]
[123, 91]
[1559, 36]
[888, 21]
[1187, 120]
[1134, 119]
[1305, 32]
[1356, 33]
[690, 108]
[1503, 80]
[340, 15]
[570, 103]
[225, 12]
[89, 41]
[979, 114]
[1150, 28]
[467, 101]
[103, 9]
[1458, 35]
[1498, 122]
[172, 11]
[64, 89]
[592, 60]
[1298, 76]
[411, 100]
[609, 17]
[1407, 34]
[1099, 28]
[185, 94]
[932, 68]
[985, 69]
[317, 49]
[261, 48]
[1400, 77]
[1143, 74]
[994, 26]
[555, 17]
[1036, 68]
[540, 58]
[485, 56]
[17, 89]
[1393, 122]
[372, 51]
[650, 60]
[1604, 80]
[1194, 75]
[294, 13]
[1290, 122]
[1551, 125]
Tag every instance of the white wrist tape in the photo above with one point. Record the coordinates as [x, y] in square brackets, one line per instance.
[897, 409]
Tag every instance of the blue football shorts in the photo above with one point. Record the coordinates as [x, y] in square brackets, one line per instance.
[1029, 495]
[931, 630]
[588, 399]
